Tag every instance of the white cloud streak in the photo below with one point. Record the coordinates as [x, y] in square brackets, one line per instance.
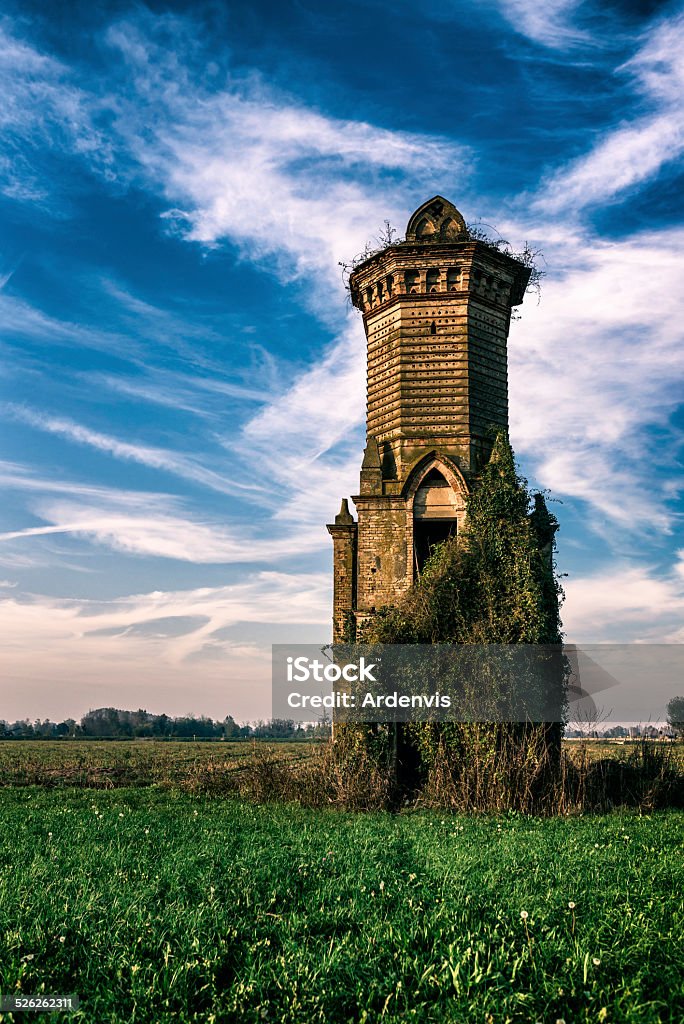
[632, 152]
[43, 108]
[128, 651]
[217, 153]
[177, 463]
[550, 23]
[593, 370]
[158, 535]
[146, 524]
[627, 603]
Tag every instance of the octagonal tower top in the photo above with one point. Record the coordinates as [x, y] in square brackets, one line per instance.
[437, 220]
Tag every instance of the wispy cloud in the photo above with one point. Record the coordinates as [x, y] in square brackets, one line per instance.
[178, 391]
[634, 151]
[23, 320]
[95, 652]
[150, 524]
[551, 23]
[631, 154]
[44, 109]
[182, 465]
[309, 440]
[593, 370]
[157, 534]
[621, 603]
[217, 152]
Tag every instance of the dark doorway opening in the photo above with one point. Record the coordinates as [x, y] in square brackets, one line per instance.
[427, 534]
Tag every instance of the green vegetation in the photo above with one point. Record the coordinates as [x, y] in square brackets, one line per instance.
[495, 583]
[156, 907]
[675, 714]
[115, 763]
[116, 723]
[593, 776]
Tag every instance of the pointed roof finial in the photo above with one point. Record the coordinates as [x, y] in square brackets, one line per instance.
[344, 516]
[371, 454]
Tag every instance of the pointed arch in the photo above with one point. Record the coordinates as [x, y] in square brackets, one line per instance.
[436, 219]
[435, 493]
[424, 466]
[426, 228]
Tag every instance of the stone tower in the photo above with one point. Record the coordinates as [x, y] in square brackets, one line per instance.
[436, 311]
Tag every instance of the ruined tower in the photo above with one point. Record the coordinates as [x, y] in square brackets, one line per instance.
[436, 311]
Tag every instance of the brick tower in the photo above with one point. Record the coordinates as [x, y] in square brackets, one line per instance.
[436, 311]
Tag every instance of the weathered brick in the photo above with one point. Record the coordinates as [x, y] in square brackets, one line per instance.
[436, 311]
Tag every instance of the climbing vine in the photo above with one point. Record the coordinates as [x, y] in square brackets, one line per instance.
[495, 583]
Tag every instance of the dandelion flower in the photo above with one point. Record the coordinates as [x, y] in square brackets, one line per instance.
[49, 835]
[62, 938]
[524, 915]
[571, 905]
[596, 961]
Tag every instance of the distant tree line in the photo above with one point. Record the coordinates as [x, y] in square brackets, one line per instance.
[113, 723]
[648, 732]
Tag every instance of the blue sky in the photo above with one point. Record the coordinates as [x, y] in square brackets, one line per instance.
[182, 377]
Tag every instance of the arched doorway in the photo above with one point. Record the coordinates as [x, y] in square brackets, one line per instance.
[435, 517]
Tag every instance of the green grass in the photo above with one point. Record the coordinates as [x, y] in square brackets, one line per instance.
[158, 907]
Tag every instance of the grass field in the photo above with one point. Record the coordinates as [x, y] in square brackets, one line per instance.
[161, 907]
[106, 764]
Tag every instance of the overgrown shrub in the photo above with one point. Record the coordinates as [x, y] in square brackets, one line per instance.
[495, 583]
[515, 773]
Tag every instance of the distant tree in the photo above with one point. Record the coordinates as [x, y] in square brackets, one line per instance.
[675, 714]
[22, 729]
[101, 723]
[162, 725]
[115, 723]
[231, 730]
